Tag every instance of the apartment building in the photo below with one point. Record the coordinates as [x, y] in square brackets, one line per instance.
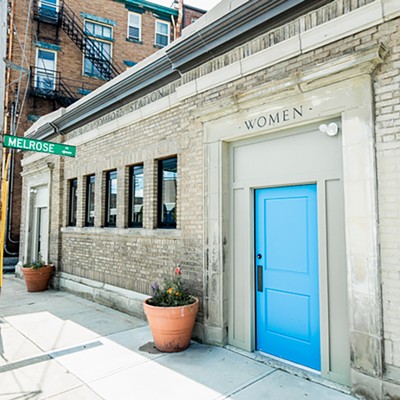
[58, 51]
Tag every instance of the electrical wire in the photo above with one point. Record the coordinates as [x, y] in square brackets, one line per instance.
[14, 123]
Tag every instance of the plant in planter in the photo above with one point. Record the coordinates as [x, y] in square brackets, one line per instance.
[37, 275]
[171, 312]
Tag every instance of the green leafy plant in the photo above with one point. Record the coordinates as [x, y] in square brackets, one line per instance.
[172, 293]
[35, 264]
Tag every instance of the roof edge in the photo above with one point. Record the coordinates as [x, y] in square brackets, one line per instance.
[165, 64]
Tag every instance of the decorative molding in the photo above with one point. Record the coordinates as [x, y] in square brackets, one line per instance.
[48, 46]
[137, 5]
[129, 63]
[96, 18]
[345, 67]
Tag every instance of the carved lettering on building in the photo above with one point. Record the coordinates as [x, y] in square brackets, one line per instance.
[274, 118]
[128, 108]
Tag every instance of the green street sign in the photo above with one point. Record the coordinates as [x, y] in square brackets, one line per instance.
[17, 142]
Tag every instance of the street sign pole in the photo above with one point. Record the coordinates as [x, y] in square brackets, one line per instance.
[4, 198]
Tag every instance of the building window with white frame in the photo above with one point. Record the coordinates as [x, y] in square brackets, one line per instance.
[98, 47]
[45, 71]
[162, 33]
[134, 27]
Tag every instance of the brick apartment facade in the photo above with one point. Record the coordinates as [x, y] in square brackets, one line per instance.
[310, 102]
[49, 46]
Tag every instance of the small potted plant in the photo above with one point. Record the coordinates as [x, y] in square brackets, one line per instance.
[37, 275]
[171, 312]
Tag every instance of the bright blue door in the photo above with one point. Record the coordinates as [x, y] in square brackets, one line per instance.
[287, 288]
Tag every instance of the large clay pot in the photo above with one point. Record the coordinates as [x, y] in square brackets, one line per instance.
[37, 279]
[171, 326]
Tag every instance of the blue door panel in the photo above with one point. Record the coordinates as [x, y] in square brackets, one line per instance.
[293, 317]
[287, 223]
[287, 301]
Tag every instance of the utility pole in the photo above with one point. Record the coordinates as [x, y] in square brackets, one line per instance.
[4, 191]
[3, 55]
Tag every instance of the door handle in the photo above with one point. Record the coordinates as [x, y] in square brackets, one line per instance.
[259, 278]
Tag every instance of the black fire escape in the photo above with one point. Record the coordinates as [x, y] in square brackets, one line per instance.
[50, 84]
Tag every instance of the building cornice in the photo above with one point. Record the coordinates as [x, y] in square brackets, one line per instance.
[228, 27]
[153, 7]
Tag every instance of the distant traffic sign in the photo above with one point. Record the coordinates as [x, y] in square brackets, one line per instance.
[22, 143]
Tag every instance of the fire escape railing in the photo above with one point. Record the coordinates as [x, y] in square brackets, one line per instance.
[46, 11]
[49, 84]
[64, 17]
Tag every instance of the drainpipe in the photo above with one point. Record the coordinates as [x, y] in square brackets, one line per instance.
[174, 25]
[180, 18]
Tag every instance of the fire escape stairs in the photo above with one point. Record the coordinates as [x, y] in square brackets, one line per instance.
[65, 94]
[70, 23]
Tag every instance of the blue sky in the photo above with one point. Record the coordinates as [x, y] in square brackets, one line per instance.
[203, 4]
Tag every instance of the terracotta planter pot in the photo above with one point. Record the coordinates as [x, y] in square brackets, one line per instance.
[38, 279]
[171, 326]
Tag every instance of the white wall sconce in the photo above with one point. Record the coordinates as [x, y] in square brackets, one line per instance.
[331, 129]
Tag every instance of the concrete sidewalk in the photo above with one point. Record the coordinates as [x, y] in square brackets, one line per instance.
[54, 345]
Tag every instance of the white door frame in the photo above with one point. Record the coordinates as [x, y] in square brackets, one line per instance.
[34, 184]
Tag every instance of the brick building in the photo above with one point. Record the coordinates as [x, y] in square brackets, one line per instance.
[261, 152]
[70, 48]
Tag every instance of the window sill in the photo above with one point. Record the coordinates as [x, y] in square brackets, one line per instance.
[133, 40]
[159, 46]
[100, 78]
[128, 232]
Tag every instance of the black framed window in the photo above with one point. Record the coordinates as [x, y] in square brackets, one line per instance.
[167, 185]
[111, 199]
[136, 196]
[89, 209]
[73, 202]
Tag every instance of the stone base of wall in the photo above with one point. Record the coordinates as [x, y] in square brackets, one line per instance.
[120, 299]
[123, 300]
[373, 388]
